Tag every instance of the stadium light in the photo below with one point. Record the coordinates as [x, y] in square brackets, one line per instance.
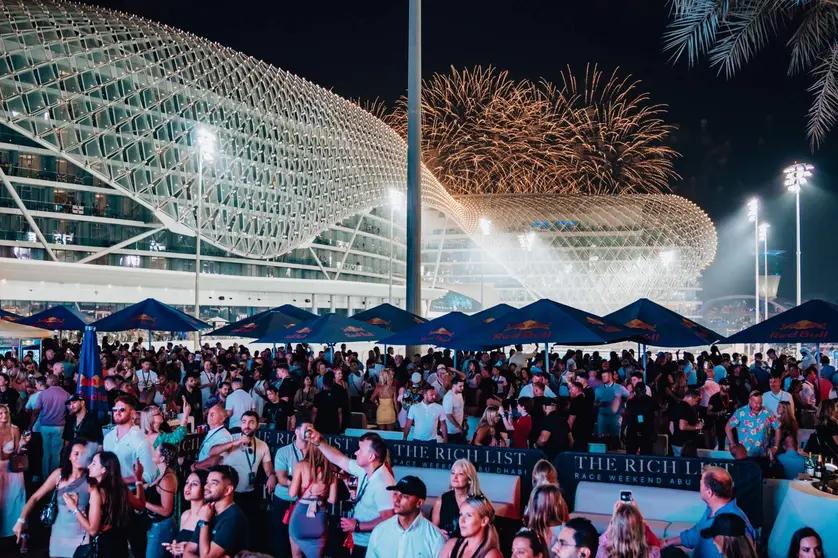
[753, 217]
[763, 236]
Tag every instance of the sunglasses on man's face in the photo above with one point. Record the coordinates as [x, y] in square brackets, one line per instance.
[118, 409]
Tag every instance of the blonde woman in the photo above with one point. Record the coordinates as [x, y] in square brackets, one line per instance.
[464, 485]
[487, 433]
[314, 482]
[152, 417]
[547, 512]
[477, 536]
[384, 397]
[626, 535]
[12, 489]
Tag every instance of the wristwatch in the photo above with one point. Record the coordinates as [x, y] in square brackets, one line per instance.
[201, 523]
[357, 526]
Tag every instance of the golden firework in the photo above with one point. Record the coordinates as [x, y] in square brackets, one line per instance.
[483, 132]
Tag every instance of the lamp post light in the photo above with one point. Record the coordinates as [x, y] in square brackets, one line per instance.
[796, 176]
[205, 141]
[753, 216]
[486, 230]
[396, 200]
[763, 236]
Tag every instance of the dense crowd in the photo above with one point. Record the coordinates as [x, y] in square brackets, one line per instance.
[104, 486]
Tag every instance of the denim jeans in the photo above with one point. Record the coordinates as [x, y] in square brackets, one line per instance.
[160, 532]
[52, 445]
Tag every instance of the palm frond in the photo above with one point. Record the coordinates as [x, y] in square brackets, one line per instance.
[824, 109]
[748, 27]
[692, 31]
[817, 30]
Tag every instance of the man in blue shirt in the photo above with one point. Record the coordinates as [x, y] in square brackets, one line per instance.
[827, 370]
[716, 490]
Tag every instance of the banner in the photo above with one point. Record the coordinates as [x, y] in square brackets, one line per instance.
[680, 473]
[427, 455]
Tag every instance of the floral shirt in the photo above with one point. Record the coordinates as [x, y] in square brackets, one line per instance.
[753, 429]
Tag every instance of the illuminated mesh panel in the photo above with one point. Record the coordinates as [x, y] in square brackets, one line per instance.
[122, 97]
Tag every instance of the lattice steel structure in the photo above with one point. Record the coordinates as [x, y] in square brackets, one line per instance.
[299, 174]
[123, 97]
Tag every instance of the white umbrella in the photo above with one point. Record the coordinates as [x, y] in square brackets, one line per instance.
[11, 330]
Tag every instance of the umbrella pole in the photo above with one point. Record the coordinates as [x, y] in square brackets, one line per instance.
[149, 339]
[455, 359]
[274, 353]
[818, 363]
[644, 363]
[546, 357]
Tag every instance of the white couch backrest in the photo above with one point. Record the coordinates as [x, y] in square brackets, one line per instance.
[386, 434]
[663, 504]
[500, 489]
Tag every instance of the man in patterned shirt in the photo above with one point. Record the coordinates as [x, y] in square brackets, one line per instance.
[751, 426]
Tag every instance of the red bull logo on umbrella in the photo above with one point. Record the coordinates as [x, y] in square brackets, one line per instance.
[529, 329]
[144, 320]
[246, 328]
[692, 325]
[300, 333]
[356, 332]
[438, 335]
[382, 323]
[640, 324]
[11, 318]
[802, 329]
[50, 322]
[488, 320]
[602, 325]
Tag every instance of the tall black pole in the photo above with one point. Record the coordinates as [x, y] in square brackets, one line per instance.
[413, 277]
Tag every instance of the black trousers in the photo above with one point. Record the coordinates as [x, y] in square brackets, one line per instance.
[137, 534]
[359, 551]
[458, 438]
[280, 545]
[639, 440]
[249, 503]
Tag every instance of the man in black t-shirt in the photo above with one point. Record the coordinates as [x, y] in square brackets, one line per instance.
[285, 389]
[639, 421]
[555, 436]
[580, 417]
[194, 399]
[327, 410]
[222, 525]
[685, 422]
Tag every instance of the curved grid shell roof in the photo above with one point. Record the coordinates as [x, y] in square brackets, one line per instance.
[123, 97]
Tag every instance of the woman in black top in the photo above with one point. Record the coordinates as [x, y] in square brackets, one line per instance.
[273, 413]
[193, 493]
[826, 428]
[464, 484]
[160, 502]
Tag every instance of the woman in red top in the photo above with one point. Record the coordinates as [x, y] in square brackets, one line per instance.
[522, 426]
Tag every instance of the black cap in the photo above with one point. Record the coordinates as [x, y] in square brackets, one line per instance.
[73, 398]
[724, 382]
[412, 486]
[726, 525]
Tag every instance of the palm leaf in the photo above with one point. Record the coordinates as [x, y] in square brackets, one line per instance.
[824, 109]
[748, 27]
[693, 28]
[817, 30]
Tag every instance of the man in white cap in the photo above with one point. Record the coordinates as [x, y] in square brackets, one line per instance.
[410, 396]
[439, 381]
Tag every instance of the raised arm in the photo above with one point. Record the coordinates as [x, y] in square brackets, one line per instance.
[334, 455]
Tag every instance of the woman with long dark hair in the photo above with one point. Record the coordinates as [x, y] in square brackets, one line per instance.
[193, 493]
[160, 501]
[806, 543]
[66, 534]
[110, 505]
[314, 483]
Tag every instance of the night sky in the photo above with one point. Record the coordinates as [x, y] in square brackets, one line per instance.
[734, 136]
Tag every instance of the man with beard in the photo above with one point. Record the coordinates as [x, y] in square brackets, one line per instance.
[416, 535]
[130, 446]
[80, 423]
[190, 391]
[246, 455]
[222, 528]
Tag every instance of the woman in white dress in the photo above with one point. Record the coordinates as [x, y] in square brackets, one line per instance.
[12, 489]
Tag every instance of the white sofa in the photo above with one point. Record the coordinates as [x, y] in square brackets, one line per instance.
[667, 511]
[504, 491]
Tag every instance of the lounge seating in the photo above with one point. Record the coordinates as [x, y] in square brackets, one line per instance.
[667, 511]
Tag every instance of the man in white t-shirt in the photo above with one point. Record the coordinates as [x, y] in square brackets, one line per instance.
[710, 388]
[373, 502]
[428, 416]
[455, 416]
[146, 377]
[237, 403]
[771, 399]
[207, 380]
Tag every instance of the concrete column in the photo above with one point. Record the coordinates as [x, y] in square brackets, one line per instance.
[314, 303]
[332, 304]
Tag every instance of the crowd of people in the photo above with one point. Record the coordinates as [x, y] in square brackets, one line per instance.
[104, 485]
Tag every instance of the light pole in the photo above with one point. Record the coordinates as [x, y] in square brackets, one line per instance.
[486, 230]
[395, 200]
[763, 236]
[413, 218]
[796, 176]
[753, 216]
[205, 140]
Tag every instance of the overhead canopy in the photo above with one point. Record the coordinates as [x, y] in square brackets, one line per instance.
[444, 331]
[7, 316]
[57, 318]
[661, 327]
[258, 325]
[11, 330]
[389, 317]
[152, 315]
[546, 321]
[815, 321]
[294, 312]
[327, 329]
[493, 313]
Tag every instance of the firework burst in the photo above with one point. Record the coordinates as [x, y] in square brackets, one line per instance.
[483, 132]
